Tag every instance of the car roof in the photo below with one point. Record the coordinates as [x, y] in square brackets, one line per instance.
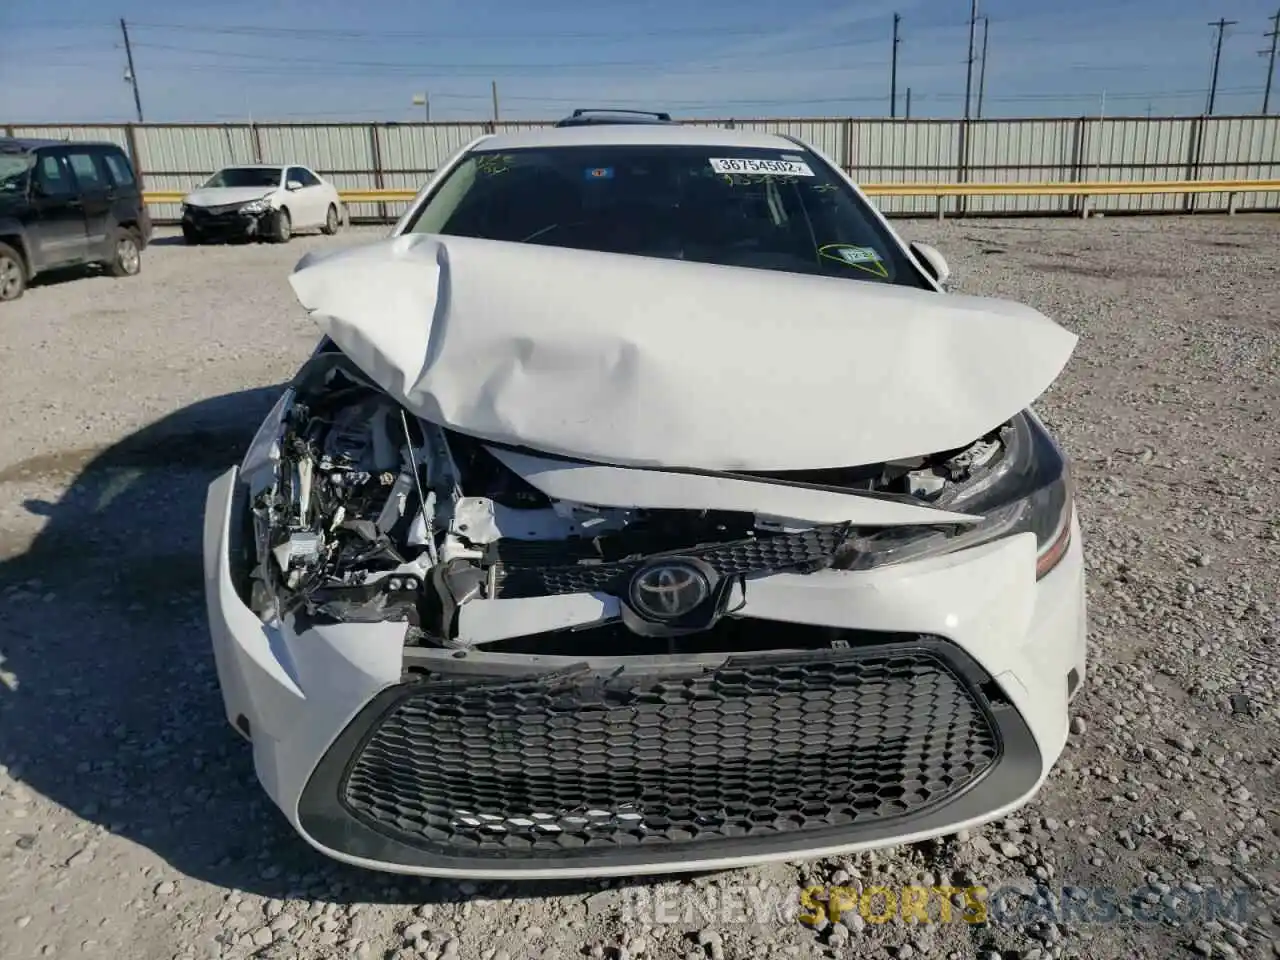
[635, 134]
[259, 166]
[29, 144]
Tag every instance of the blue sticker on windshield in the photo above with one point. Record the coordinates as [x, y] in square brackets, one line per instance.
[600, 173]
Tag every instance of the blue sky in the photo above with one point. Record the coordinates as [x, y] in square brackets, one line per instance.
[334, 59]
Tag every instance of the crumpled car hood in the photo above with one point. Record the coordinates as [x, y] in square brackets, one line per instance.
[221, 196]
[636, 361]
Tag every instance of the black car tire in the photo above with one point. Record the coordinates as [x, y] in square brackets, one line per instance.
[190, 236]
[13, 273]
[282, 228]
[332, 221]
[126, 253]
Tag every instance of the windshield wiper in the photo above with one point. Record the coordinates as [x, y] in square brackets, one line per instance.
[538, 233]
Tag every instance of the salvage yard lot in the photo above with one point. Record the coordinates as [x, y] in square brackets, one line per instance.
[130, 824]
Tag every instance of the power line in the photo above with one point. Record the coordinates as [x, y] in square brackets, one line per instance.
[323, 33]
[1222, 25]
[348, 34]
[1135, 95]
[311, 69]
[436, 65]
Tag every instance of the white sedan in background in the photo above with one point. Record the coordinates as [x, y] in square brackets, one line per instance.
[265, 202]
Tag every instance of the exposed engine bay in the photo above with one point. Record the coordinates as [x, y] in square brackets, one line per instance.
[364, 512]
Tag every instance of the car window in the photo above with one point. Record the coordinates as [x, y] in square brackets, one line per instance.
[88, 175]
[14, 171]
[119, 167]
[774, 209]
[295, 173]
[264, 177]
[305, 177]
[54, 177]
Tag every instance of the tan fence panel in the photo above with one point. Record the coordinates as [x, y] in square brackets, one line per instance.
[1064, 150]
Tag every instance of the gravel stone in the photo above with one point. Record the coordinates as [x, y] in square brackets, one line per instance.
[853, 921]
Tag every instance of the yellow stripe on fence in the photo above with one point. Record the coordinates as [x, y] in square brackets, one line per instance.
[1087, 190]
[1097, 189]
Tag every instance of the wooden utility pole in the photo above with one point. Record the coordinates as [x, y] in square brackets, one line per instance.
[494, 86]
[908, 103]
[1222, 25]
[133, 74]
[962, 158]
[893, 69]
[982, 73]
[1271, 60]
[968, 78]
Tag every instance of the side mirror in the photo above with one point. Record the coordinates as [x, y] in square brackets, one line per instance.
[293, 185]
[933, 262]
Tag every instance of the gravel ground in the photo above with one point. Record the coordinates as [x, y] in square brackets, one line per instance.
[131, 825]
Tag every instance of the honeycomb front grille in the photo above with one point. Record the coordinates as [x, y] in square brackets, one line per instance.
[552, 766]
[788, 551]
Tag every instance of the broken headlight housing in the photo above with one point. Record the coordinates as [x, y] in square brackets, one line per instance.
[1026, 490]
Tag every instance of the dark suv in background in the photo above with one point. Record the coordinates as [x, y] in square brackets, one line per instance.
[65, 204]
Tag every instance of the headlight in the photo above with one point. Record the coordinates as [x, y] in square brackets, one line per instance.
[255, 207]
[1028, 490]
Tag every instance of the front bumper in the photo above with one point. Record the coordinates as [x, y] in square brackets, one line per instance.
[231, 224]
[946, 708]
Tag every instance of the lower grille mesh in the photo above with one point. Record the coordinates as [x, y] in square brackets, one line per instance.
[552, 765]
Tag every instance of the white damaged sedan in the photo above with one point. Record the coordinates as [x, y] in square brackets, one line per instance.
[648, 506]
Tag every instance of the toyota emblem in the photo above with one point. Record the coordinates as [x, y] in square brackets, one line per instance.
[669, 590]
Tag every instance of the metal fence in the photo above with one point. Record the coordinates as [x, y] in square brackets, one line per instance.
[357, 156]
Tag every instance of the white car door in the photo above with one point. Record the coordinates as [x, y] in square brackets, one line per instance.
[325, 193]
[317, 194]
[304, 201]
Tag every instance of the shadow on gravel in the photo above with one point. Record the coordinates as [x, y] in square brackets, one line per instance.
[109, 704]
[176, 240]
[60, 275]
